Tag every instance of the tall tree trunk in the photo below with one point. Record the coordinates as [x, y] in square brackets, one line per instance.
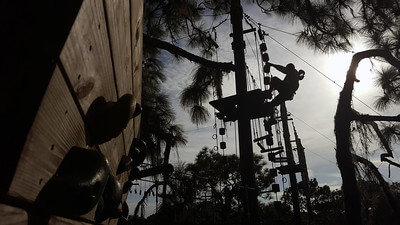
[343, 154]
[167, 151]
[343, 118]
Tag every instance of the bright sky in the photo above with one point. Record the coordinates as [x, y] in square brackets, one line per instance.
[312, 109]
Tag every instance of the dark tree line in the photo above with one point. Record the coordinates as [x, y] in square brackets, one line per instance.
[206, 192]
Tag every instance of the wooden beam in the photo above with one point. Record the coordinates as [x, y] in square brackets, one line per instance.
[119, 32]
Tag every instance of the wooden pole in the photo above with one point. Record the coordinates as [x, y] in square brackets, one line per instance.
[248, 182]
[292, 175]
[304, 175]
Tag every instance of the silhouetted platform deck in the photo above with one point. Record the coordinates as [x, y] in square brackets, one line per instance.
[251, 105]
[288, 169]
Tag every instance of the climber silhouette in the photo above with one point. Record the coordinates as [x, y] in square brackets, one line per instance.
[288, 86]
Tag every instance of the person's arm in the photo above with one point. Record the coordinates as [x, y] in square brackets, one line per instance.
[280, 68]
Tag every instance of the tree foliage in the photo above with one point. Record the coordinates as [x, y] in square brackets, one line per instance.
[207, 190]
[158, 117]
[327, 205]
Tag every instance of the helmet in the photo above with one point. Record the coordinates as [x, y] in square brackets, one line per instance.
[290, 66]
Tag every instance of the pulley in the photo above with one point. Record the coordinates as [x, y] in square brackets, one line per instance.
[260, 34]
[263, 47]
[265, 57]
[267, 68]
[222, 145]
[222, 131]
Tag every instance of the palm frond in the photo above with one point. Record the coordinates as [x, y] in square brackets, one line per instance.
[392, 133]
[194, 95]
[178, 133]
[142, 201]
[199, 114]
[389, 80]
[382, 103]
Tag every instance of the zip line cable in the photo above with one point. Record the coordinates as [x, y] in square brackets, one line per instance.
[249, 73]
[320, 133]
[313, 67]
[320, 156]
[256, 55]
[285, 32]
[247, 17]
[316, 69]
[320, 72]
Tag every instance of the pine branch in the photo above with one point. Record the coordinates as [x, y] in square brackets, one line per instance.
[381, 138]
[175, 50]
[145, 195]
[382, 183]
[384, 159]
[370, 118]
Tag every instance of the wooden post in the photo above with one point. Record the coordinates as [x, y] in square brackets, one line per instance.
[248, 185]
[304, 174]
[289, 155]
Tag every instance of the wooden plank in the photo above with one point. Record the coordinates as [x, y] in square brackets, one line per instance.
[112, 150]
[64, 221]
[57, 127]
[137, 52]
[113, 221]
[10, 215]
[119, 29]
[118, 17]
[87, 60]
[86, 56]
[128, 136]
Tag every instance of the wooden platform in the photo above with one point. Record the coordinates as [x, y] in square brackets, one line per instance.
[61, 56]
[253, 104]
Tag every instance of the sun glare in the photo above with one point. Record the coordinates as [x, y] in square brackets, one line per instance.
[337, 66]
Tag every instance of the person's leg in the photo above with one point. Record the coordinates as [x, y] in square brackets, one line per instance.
[277, 100]
[277, 84]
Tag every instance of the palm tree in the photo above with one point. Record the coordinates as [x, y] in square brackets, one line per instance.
[157, 112]
[173, 138]
[157, 126]
[207, 83]
[158, 116]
